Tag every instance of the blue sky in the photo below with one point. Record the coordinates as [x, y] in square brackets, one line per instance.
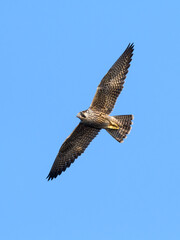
[53, 55]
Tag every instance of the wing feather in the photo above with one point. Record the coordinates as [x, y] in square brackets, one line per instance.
[112, 83]
[72, 147]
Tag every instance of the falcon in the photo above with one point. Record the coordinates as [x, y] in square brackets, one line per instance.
[97, 117]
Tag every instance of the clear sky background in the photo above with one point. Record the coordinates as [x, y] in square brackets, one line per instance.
[53, 55]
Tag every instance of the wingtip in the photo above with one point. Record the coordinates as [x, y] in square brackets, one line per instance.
[49, 177]
[53, 175]
[130, 46]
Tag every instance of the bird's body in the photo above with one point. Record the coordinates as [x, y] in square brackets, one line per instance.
[97, 117]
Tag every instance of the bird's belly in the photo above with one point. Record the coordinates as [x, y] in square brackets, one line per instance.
[98, 121]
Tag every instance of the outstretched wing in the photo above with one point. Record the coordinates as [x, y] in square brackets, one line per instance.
[73, 147]
[112, 83]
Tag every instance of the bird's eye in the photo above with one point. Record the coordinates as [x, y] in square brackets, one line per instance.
[82, 114]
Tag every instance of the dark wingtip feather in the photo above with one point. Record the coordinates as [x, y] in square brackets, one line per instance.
[51, 176]
[54, 173]
[129, 50]
[131, 45]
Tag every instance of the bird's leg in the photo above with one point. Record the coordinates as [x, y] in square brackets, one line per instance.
[113, 125]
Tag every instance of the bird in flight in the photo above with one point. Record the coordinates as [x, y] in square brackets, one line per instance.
[97, 117]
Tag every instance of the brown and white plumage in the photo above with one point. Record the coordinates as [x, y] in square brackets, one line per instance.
[112, 83]
[73, 146]
[97, 116]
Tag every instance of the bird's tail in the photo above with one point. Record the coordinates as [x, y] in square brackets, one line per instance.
[124, 123]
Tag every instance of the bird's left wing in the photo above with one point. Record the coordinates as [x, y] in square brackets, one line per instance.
[112, 83]
[72, 147]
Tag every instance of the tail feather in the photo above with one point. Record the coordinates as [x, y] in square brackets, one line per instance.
[124, 122]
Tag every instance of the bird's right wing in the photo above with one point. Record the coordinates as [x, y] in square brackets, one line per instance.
[72, 147]
[112, 83]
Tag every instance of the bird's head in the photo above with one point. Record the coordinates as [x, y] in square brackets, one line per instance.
[82, 115]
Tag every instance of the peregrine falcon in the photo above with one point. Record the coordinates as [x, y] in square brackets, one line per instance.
[97, 116]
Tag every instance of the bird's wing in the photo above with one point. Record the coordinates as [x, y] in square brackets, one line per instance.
[112, 83]
[72, 147]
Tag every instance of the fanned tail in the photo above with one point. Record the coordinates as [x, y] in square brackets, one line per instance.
[124, 122]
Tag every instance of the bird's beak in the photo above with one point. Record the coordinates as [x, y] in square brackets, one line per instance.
[78, 115]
